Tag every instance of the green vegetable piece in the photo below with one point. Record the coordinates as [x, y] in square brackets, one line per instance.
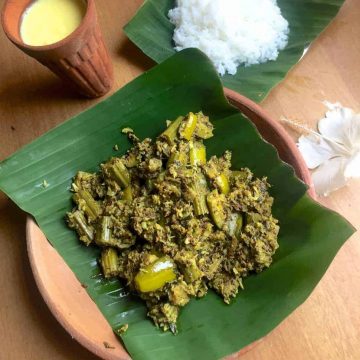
[197, 154]
[198, 191]
[188, 126]
[109, 263]
[103, 233]
[170, 134]
[116, 170]
[105, 237]
[222, 183]
[127, 194]
[78, 222]
[216, 204]
[87, 204]
[177, 157]
[239, 226]
[154, 276]
[200, 205]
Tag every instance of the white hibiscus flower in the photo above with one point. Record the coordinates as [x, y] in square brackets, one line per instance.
[333, 152]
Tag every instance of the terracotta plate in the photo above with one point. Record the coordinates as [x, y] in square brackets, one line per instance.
[63, 293]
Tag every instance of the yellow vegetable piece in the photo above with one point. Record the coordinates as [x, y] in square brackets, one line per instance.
[223, 183]
[188, 126]
[197, 154]
[216, 203]
[154, 276]
[177, 157]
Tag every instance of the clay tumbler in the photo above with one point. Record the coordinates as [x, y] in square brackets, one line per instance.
[80, 59]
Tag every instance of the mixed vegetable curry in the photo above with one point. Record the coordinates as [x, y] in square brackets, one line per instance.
[173, 224]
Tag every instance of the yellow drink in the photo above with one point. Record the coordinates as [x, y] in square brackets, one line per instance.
[46, 22]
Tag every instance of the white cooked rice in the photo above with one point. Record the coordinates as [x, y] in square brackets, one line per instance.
[230, 32]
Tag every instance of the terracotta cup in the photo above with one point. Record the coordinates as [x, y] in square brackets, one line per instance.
[81, 58]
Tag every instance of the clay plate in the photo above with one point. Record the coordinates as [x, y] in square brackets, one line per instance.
[69, 301]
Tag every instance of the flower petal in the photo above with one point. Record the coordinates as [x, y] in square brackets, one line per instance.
[330, 176]
[354, 132]
[352, 169]
[341, 125]
[315, 150]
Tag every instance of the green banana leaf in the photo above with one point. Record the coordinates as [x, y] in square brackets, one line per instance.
[309, 238]
[151, 30]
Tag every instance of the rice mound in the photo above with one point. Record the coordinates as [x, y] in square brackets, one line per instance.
[230, 32]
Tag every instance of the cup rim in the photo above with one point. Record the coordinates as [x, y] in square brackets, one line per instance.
[90, 8]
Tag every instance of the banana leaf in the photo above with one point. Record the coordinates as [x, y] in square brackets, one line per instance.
[151, 30]
[310, 235]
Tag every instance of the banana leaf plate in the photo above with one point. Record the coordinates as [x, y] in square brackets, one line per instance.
[37, 178]
[151, 30]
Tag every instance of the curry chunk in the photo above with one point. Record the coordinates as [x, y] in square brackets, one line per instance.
[173, 224]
